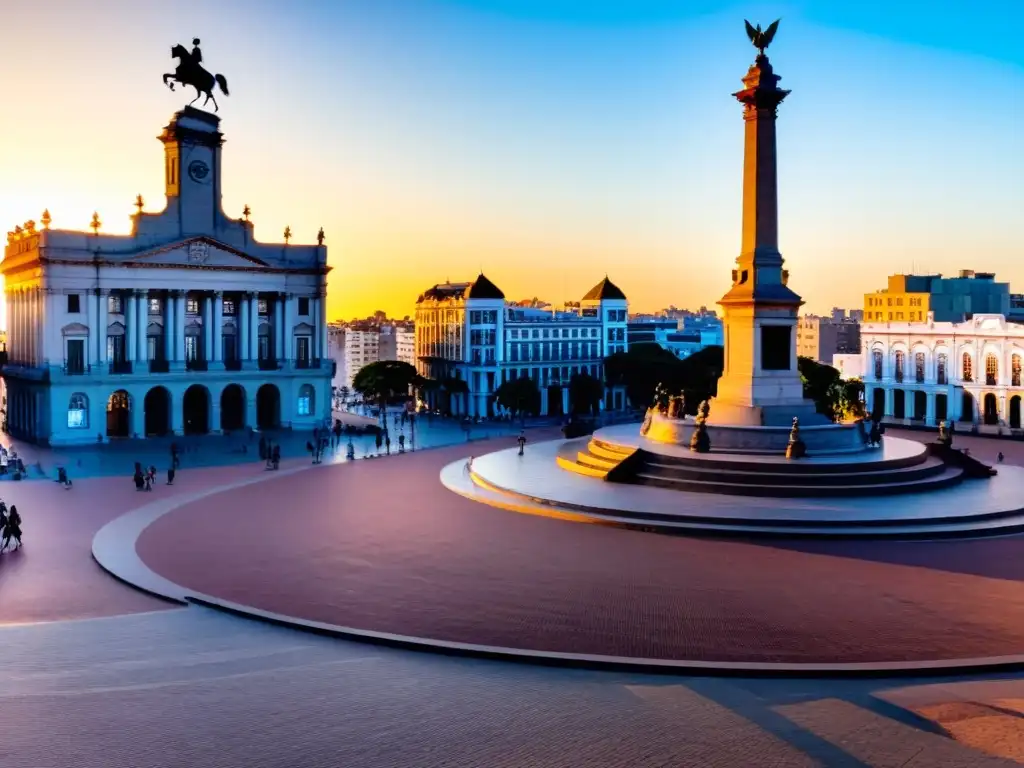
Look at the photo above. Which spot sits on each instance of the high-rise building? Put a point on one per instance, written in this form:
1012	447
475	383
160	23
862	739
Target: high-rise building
909	298
469	331
821	338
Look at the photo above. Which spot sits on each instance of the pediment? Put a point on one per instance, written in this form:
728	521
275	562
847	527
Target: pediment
115	329
75	329
303	328
198	252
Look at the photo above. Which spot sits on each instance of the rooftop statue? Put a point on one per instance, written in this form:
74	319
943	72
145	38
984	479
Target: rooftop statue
191	72
762	40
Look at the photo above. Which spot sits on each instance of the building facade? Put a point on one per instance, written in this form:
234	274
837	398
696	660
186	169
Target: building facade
822	338
468	331
186	325
927	372
910	298
362	347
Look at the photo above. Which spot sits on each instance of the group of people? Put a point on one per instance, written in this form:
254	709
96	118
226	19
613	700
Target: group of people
10	461
270	453
145	478
10	527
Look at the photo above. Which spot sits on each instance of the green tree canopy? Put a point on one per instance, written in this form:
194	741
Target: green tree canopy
585	394
520	396
385	379
643	366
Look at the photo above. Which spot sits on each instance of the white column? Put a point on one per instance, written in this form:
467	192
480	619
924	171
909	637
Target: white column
218	326
254	327
243	326
169	326
94	322
101	336
141	299
929	414
208	328
314	341
323	326
279	327
289	327
889	401
131	326
179	327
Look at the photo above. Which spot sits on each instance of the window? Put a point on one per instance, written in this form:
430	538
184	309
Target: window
75	362
115	349
991	369
919	367
302	349
303	305
1015	371
263	344
156	306
900	363
229	307
78	411
191	349
261	307
307	396
877	359
968	371
114	304
74	303
192	306
941	369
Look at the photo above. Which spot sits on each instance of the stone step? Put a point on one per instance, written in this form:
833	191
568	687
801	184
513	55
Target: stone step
948	477
780	474
810	466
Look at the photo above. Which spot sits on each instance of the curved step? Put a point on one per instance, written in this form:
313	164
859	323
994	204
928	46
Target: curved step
780	474
948	477
810	467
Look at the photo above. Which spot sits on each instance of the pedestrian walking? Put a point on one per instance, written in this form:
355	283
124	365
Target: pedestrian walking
175	461
1000	457
170	475
13	528
522	441
401	442
387	443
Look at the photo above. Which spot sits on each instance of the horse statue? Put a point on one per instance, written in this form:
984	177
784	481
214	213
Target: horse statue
190	72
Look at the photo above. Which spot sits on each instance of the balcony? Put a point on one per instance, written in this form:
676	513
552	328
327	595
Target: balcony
76	369
304	363
233	364
268	364
120	366
159	366
196	365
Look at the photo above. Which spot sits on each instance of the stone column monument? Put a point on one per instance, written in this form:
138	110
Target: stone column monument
760	385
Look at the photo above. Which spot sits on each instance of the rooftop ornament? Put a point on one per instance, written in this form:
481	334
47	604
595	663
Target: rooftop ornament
30	227
190	72
320	236
95	224
287	235
46	218
762	40
139	203
245	212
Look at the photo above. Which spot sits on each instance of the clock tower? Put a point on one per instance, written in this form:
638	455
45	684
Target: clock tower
192	145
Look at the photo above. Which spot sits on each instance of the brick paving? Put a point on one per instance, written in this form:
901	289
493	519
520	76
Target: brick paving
381	545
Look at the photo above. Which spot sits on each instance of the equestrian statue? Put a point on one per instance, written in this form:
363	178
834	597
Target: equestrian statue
191	72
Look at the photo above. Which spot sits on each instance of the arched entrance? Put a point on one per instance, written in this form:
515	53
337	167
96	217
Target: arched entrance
941	408
899	404
1015	412
991	408
268	407
195	407
555	400
877	403
157	408
920	405
967	407
232	408
119	414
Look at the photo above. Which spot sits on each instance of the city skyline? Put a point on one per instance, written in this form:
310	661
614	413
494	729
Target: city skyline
545	146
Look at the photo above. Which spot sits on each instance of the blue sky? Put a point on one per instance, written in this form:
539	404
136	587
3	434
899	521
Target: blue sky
546	142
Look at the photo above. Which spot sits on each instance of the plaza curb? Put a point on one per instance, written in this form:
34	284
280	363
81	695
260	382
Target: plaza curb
114	549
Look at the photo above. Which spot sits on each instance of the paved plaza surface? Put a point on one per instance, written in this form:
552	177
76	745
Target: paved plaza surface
346	546
151	684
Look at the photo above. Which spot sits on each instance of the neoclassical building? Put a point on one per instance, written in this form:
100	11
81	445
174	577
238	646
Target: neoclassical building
187	325
469	331
926	372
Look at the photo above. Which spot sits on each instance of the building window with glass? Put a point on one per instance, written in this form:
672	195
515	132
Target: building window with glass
900	360
307	397
155	306
191	306
968	368
75	362
114	304
1015	371
229	307
991	370
78	411
877	359
303	306
941	369
919	367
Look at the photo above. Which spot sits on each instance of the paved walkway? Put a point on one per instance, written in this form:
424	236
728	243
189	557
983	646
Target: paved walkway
346	546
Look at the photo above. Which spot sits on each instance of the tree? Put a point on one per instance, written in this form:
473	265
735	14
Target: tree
520	396
645	365
585	394
823	385
385	380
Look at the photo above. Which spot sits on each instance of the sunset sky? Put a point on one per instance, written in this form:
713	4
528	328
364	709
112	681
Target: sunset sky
546	142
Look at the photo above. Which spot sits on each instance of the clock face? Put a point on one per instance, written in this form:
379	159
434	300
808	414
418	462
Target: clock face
198	171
